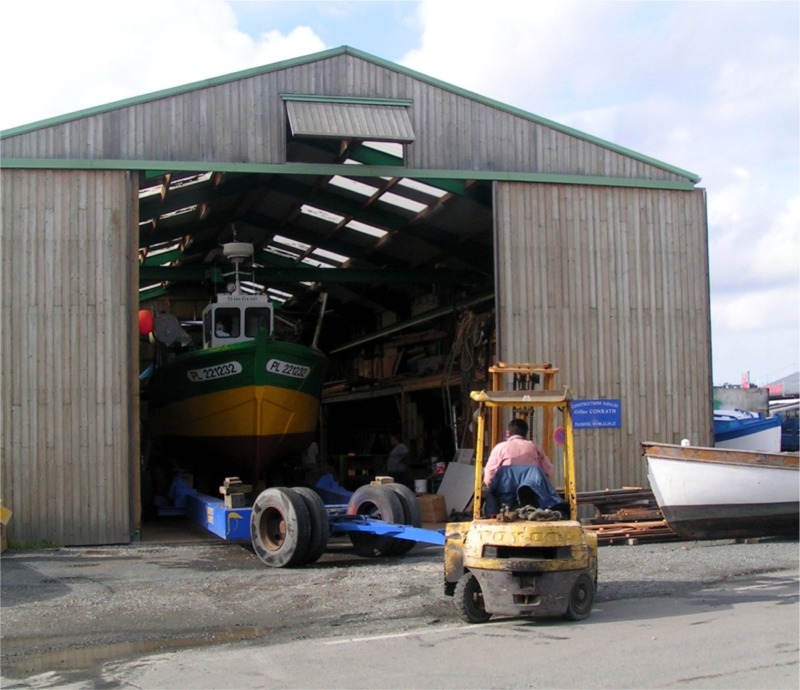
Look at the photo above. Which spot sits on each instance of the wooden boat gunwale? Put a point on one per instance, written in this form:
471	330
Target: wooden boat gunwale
723	456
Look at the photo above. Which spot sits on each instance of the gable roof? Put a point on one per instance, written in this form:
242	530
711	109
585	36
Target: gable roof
324	55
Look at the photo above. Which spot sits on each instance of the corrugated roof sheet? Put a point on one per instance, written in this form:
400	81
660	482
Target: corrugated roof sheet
367	122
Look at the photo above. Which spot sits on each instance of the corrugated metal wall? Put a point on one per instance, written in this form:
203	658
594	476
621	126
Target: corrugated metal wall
69	434
244	121
611	286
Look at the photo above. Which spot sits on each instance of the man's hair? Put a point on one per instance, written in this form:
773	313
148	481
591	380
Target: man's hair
518	427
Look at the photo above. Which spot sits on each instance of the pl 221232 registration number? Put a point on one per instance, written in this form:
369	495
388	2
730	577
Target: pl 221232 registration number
217	371
297	371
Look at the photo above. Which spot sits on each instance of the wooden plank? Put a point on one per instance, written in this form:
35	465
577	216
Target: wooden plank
65	431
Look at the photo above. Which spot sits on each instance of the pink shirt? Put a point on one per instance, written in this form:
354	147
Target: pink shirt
515	451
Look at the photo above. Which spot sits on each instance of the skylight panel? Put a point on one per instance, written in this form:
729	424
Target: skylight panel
316	263
278	295
281	252
322	215
390	147
151	191
402	202
333	256
302	246
179	212
422	187
371	230
352	185
157	249
188	181
252	286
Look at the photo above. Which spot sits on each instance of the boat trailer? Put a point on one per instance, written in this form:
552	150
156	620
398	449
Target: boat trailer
291	526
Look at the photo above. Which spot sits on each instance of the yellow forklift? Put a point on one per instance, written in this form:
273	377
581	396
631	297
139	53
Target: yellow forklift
525	561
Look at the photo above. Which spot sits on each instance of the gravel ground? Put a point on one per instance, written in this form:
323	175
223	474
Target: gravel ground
69	609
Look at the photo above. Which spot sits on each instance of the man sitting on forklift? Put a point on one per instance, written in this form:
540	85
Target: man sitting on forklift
517	474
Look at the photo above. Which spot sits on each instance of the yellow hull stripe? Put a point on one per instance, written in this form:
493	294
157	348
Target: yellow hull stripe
246	411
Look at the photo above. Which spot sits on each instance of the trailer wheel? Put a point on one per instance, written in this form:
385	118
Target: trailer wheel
320	529
376	502
280	528
468	599
581	598
412	515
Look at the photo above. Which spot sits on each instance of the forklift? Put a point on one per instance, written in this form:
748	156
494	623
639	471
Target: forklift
525	561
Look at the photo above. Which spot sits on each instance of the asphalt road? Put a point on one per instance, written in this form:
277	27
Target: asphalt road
210	615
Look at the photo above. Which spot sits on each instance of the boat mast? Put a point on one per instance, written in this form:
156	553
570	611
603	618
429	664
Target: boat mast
236	253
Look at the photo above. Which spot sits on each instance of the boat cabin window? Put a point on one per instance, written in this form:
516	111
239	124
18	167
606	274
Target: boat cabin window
226	323
256	319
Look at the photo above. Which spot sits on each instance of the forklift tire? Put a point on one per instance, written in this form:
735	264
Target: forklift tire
468	599
280	528
320	528
378	502
581	598
412	515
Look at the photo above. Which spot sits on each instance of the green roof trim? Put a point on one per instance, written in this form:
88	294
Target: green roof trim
334	52
344	170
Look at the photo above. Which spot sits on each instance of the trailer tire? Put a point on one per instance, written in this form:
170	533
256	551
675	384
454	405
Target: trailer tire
581	598
412	515
280	528
468	599
320	528
376	502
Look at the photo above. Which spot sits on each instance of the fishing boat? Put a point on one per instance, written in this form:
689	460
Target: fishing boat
245	401
715	493
745	430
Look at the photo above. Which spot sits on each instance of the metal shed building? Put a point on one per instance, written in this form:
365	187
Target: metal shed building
584	254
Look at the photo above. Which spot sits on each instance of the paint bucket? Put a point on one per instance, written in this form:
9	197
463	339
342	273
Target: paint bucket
420	486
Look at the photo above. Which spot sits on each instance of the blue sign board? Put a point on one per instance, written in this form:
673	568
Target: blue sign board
597	414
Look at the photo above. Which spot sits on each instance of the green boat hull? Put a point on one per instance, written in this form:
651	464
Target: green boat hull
237	410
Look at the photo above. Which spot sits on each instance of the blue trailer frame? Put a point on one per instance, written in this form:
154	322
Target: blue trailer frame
233	524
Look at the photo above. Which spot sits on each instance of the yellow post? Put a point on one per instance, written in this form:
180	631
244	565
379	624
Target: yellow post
570	487
476	502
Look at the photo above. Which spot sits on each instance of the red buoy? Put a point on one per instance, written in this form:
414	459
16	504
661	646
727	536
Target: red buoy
145	322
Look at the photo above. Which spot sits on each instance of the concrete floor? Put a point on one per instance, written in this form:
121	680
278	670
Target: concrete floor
175	530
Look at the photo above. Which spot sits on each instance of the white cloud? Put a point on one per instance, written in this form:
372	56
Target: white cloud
83	53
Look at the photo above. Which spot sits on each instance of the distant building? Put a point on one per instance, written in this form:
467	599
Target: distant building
786	387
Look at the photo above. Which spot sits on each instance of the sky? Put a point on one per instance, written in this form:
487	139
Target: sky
709	87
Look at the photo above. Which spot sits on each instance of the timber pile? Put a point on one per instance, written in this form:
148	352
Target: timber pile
632	532
628	515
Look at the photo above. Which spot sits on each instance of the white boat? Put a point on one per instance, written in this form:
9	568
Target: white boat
716	493
745	430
